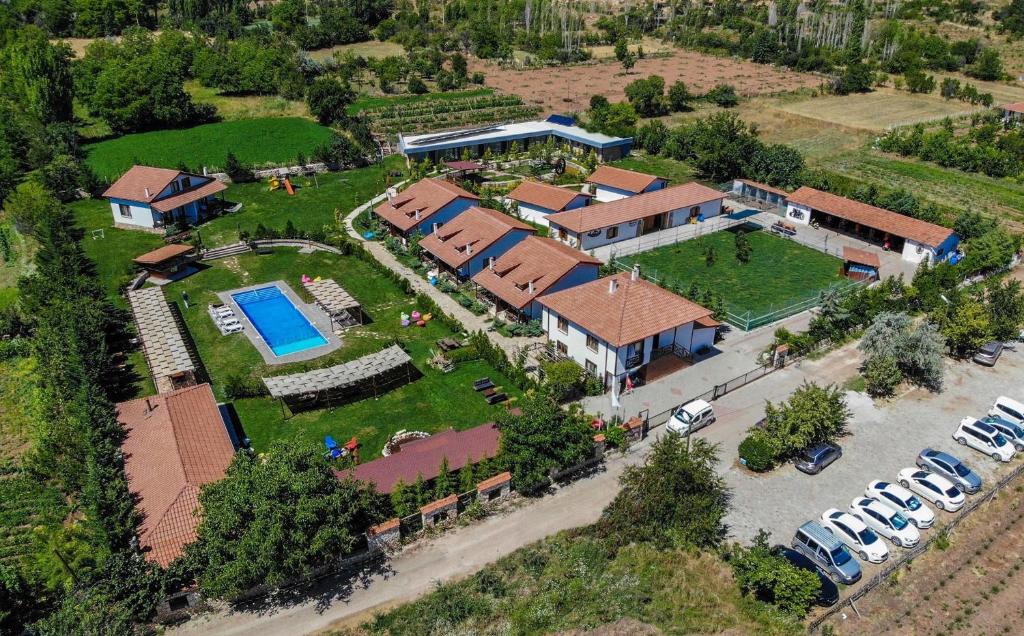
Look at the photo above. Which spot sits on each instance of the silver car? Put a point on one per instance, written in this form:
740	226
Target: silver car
951	468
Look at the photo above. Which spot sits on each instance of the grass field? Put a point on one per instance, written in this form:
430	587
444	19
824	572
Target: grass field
232	107
432	403
22	252
675	171
878	110
311	208
1001	198
779	273
371	49
254	141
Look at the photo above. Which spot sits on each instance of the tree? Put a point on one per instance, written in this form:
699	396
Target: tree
277	517
856	78
467	477
916	351
719	146
28	205
676	498
563	378
967	328
652	136
444	484
63	176
236	170
882	375
328	99
679	97
647	96
459	67
970	224
723	95
743	247
629	61
987	66
918	81
417	86
776	164
37	75
710	255
812	414
990	252
1005	303
1011	17
764	46
544	438
773	579
621	50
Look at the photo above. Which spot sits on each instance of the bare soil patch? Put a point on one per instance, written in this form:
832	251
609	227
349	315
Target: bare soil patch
569	88
880	109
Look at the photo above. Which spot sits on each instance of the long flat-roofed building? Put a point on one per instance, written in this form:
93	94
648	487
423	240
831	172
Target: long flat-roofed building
500	137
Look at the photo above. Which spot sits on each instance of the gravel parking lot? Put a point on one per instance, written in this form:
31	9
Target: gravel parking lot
884	438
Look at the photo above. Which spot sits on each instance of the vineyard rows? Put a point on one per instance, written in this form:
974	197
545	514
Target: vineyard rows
456	113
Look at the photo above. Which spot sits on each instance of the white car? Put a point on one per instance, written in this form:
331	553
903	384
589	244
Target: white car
985	438
861	539
691	417
903	501
933	487
885	521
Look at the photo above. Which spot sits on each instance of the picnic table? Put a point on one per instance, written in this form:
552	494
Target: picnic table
783	228
448	344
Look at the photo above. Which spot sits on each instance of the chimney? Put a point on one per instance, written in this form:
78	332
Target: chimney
529	287
416	214
635	274
149	407
146	190
392	192
490	263
612	285
469	249
435	227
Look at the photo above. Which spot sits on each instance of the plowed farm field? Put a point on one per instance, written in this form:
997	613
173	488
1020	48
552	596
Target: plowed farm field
569	88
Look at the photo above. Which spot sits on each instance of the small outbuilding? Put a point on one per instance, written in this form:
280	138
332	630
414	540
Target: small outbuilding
1013	113
860	264
760	192
168	263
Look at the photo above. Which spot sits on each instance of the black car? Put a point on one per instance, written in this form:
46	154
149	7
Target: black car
813	459
829	593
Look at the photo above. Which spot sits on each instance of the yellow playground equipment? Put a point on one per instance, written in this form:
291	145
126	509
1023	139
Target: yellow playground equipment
286	183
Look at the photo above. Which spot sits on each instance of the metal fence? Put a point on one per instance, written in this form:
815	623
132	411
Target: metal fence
912	554
670	236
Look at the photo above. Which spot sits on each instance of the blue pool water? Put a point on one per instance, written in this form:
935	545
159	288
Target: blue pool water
279	322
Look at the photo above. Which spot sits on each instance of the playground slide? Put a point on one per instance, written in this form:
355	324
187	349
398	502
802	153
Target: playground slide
288	185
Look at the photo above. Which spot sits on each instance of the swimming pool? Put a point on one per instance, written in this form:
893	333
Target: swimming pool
279	322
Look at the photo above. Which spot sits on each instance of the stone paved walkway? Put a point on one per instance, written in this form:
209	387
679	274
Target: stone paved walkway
449	305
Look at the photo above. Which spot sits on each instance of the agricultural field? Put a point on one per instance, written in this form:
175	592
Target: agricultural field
232	107
371	49
977	592
676	172
438	114
569	88
367	102
779	272
432	403
257	142
880	109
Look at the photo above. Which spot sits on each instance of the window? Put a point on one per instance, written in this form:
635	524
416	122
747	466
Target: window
591	367
175	186
186	183
562	348
563	324
612	232
591	342
125	210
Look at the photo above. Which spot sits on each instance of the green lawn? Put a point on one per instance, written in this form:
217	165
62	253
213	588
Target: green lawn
675	171
371	102
779	273
311	208
259	141
434	402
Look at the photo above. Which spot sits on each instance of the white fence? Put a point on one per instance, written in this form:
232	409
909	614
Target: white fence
670	236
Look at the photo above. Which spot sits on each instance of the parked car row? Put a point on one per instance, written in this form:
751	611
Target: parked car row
894	511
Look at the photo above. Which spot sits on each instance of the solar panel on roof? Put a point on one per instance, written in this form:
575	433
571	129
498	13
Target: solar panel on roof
458	134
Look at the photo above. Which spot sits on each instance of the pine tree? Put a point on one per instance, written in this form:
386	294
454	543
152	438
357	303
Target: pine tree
443	485
467	477
400	499
420	494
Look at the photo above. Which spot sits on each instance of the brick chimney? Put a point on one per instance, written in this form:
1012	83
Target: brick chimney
612	285
635	274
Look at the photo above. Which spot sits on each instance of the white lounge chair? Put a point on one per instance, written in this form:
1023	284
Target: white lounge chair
232	328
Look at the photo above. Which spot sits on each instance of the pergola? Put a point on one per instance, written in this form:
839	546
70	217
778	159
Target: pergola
370	375
167	354
337	303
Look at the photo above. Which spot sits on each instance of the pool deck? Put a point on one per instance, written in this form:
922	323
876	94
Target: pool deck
314	314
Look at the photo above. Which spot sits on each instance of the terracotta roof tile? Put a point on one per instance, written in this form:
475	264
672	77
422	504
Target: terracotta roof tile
478	228
492	482
188	196
861	257
538	260
544	195
136	180
440	504
634	310
423	457
765	187
175	443
1016	107
383	527
164	253
622	179
426	196
880	219
636	207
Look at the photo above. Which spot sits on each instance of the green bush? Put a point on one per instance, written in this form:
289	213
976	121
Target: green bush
465	354
757	453
615	437
240	385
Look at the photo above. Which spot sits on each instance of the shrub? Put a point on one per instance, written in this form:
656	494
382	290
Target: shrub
882	375
773	579
615	437
236	170
240	385
757	453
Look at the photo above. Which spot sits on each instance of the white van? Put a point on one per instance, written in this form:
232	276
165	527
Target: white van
1009	409
690	417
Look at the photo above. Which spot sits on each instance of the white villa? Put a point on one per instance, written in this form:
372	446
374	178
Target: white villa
622	324
612	183
153	198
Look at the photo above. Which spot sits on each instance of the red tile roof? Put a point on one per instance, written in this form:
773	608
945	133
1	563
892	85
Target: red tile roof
175	443
440	504
544	195
423	457
478	228
621	179
538	260
497	480
386	526
861	257
464	165
426	196
765	187
188	196
165	253
1016	107
880	219
633	208
138	180
628	312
